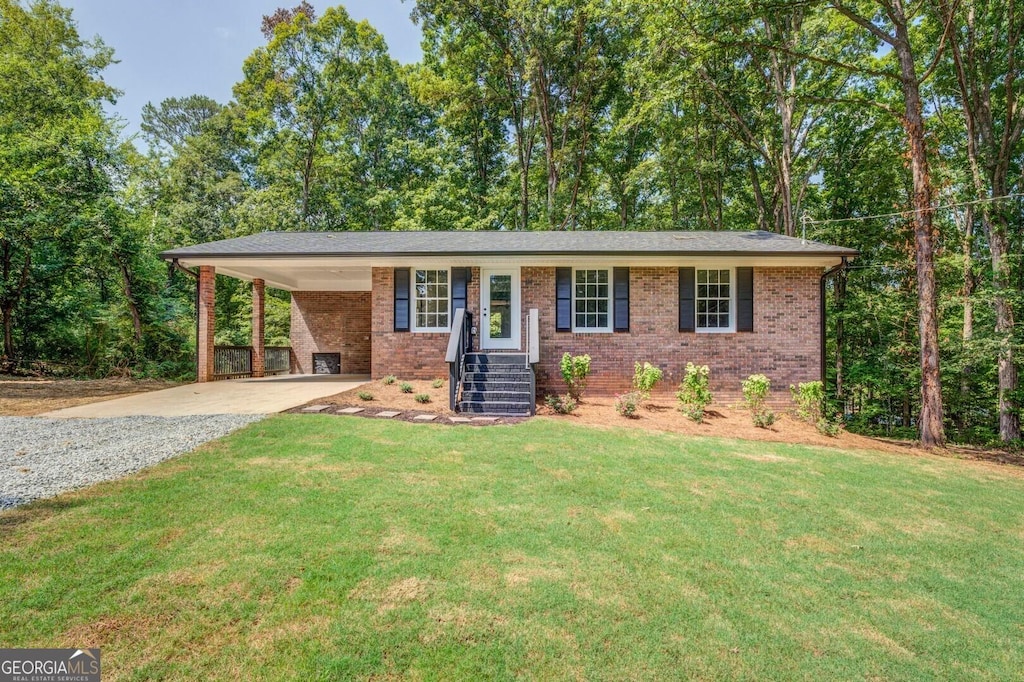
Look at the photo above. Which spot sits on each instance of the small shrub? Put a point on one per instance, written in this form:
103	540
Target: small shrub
829	427
628	403
405	387
694	392
422	398
562	404
810	401
437	383
390	379
756	388
645	378
365	395
575	369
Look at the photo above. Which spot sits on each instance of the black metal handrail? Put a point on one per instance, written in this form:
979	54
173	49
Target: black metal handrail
459	343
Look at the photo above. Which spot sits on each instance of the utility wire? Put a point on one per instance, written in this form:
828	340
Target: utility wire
829	221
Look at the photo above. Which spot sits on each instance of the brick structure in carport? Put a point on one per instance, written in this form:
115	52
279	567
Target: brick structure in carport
331	322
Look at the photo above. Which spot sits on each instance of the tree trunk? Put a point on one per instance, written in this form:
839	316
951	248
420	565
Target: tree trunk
8	315
129	295
931	421
976	103
1009	420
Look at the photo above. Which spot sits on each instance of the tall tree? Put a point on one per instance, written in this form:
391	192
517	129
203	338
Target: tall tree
52	133
985	43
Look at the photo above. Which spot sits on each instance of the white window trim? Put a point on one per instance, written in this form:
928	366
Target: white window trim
731	329
610	329
415	300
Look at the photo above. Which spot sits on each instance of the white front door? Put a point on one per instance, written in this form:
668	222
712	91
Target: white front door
499	309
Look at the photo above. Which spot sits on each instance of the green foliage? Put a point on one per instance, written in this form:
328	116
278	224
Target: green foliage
645	377
437	383
810	400
627	404
405	387
365	395
389	379
562	404
694	394
756	389
829	427
575	370
422	398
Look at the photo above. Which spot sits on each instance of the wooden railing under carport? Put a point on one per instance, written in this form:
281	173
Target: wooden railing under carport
235	362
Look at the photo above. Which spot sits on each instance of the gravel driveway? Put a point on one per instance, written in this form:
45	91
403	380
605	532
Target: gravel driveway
42	457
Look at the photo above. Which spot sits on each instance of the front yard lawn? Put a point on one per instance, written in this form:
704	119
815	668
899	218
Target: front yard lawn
309	547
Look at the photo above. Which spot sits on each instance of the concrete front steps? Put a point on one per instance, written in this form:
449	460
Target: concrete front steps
497	384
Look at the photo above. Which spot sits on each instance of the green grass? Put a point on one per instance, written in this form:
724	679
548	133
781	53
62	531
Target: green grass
309	547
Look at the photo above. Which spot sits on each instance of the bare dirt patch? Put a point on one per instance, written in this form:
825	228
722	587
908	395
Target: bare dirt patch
27	397
391	397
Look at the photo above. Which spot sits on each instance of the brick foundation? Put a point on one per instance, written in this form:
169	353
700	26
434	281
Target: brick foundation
784	344
331	322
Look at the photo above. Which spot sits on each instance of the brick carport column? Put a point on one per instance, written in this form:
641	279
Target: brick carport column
258	324
205	313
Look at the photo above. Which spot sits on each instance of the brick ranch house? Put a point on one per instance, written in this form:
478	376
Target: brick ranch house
413	304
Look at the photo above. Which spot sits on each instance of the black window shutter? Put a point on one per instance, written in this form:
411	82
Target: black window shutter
687	314
402	312
460	278
563	299
620	279
744	299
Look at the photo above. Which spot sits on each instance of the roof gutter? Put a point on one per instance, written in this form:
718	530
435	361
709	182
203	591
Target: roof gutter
824	278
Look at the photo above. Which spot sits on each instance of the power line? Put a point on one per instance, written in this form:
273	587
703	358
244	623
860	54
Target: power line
829	221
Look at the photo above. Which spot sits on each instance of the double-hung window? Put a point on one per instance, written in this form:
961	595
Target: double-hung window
431	294
591	301
715	295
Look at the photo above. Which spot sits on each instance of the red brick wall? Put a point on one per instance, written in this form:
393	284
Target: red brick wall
784	344
206	314
258	323
331	322
410	355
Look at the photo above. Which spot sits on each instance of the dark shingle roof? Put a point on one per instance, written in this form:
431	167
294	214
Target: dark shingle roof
320	244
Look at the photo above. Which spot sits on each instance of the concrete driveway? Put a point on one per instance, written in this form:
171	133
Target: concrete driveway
234	396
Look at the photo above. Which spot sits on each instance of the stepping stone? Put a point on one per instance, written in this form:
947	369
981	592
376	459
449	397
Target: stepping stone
351	410
485	419
387	414
424	418
316	408
459	420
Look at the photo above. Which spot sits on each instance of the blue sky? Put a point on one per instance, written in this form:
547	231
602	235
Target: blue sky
175	48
